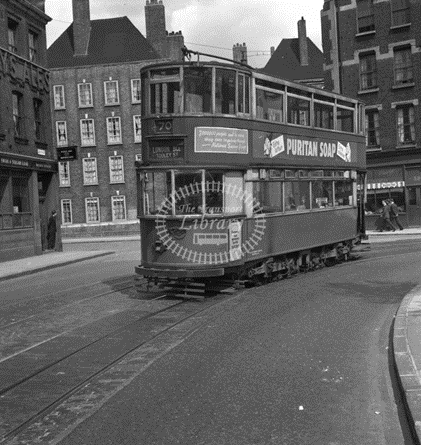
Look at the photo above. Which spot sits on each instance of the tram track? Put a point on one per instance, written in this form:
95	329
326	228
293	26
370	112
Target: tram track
52	371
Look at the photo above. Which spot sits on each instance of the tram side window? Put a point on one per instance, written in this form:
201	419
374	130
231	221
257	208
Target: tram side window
198	90
157	188
269	105
298	111
345	120
343	193
225	92
165	98
188	193
268	195
297	195
322	194
323	115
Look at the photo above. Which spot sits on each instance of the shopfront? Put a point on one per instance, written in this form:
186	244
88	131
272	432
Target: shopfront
403	185
28	191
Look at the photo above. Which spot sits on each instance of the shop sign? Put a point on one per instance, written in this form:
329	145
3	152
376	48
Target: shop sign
23	71
166	150
44	166
67	153
13	162
220	140
385	185
9	161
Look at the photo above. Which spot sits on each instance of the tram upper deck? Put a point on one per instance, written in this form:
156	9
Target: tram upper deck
212	113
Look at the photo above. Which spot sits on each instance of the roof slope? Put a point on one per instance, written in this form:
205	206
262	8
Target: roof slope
114	40
285	61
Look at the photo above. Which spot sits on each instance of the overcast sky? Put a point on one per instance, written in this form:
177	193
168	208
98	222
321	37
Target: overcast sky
209	26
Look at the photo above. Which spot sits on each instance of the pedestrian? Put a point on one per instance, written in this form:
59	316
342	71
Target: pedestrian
394	213
51	231
386	224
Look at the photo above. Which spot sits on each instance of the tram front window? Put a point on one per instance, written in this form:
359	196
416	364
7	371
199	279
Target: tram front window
165	98
214	192
198	90
188	193
225	91
157	187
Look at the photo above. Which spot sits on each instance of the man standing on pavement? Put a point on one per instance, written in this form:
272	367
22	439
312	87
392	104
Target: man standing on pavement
394	213
51	231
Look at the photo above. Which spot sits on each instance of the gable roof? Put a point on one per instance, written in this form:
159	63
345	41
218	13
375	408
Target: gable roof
114	40
285	61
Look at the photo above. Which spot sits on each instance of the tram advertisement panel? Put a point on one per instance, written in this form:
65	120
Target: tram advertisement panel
294	149
221	140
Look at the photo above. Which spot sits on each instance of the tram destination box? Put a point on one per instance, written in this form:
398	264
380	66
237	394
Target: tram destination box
165	150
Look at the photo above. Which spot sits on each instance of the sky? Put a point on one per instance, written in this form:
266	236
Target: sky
209	26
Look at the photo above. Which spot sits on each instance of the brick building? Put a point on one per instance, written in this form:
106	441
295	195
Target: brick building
28	166
95	97
297	59
372	51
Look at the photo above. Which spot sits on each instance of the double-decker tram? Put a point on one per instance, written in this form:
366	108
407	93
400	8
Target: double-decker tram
245	175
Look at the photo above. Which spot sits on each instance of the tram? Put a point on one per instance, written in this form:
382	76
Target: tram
245	175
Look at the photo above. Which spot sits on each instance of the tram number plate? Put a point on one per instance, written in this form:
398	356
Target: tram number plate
163	126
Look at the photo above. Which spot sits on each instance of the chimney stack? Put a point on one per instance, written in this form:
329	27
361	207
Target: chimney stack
302	41
240	53
272	50
81	27
155	26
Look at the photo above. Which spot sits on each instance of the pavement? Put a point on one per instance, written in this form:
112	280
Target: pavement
406	327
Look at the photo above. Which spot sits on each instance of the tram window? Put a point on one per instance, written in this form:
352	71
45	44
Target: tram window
198	90
269	105
291	173
157	186
225	92
345	120
322	194
233	191
188	193
316	173
214	192
243	94
268	195
297	195
165	98
298	111
343	193
323	115
165	73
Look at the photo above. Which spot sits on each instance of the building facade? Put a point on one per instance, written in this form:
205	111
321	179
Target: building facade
28	165
372	51
96	102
